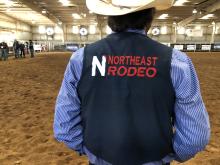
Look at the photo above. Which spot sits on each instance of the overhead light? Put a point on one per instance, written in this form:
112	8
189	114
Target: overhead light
75	30
181	30
174	23
84	15
163	30
7	2
65	2
92	29
76	16
42	29
44	11
213	23
33	21
90	12
163	16
108	30
60	23
208	16
180	2
194	11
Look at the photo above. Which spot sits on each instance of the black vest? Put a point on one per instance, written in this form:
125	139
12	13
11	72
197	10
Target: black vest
127	108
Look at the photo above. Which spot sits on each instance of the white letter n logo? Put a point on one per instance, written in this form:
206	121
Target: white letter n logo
101	67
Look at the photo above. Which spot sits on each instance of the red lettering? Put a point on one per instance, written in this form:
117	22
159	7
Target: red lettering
116	60
127	59
154	60
149	63
139	66
132	60
132	71
143	61
138	60
141	71
110	60
122	71
151	72
112	70
122	60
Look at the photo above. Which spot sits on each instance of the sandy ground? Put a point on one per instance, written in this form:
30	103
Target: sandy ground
28	90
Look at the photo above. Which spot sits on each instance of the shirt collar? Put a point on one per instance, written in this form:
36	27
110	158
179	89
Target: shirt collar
142	31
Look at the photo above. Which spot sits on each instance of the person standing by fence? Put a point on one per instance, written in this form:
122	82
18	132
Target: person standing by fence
1	50
31	48
16	48
22	48
4	51
27	47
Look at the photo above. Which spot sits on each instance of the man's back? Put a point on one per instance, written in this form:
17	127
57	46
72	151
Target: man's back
132	99
118	95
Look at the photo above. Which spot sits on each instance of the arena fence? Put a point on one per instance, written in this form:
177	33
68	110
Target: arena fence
204	47
197	47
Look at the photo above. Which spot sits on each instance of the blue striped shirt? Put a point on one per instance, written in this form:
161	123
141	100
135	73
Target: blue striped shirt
192	128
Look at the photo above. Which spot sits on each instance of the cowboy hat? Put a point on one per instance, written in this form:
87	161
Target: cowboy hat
122	7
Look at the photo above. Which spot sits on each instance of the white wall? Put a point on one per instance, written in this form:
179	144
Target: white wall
22	31
69	37
206	38
14	28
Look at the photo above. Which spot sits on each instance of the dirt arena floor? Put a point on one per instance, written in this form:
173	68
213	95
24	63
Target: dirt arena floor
28	90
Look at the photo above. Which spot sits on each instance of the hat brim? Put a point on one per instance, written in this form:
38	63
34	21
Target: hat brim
102	8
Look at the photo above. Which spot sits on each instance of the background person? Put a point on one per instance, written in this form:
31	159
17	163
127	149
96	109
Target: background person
16	48
22	49
1	50
27	47
4	51
121	120
31	48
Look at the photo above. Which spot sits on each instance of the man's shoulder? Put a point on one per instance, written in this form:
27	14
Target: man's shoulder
180	56
96	47
96	44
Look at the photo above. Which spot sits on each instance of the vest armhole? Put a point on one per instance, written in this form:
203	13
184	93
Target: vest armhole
170	68
171	82
83	68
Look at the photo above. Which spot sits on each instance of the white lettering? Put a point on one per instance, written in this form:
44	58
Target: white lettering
101	67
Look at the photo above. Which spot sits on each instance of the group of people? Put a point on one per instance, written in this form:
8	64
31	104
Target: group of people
21	49
4	51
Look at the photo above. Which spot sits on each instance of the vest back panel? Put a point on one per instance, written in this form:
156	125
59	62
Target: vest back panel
127	99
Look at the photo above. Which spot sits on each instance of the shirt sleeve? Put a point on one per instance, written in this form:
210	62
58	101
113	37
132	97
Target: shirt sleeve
192	127
67	120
